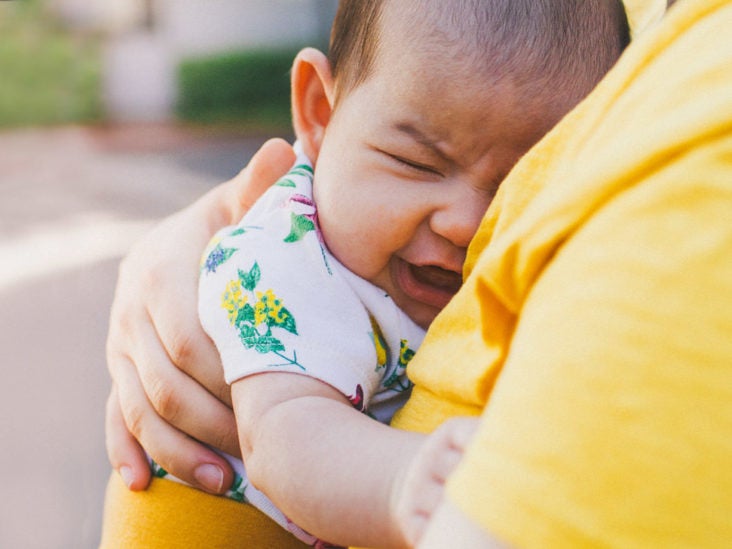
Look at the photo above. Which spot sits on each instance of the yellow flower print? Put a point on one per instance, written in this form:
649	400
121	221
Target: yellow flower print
254	323
233	299
379	344
397	380
268	309
405	353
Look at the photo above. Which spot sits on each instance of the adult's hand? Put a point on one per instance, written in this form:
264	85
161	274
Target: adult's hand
168	391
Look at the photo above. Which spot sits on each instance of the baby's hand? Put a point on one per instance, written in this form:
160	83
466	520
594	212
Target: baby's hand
422	487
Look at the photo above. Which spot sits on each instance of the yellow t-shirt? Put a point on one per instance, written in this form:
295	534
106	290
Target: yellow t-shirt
595	326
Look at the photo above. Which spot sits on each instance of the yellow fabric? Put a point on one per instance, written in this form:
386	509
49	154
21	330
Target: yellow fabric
597	315
643	14
520	501
169	515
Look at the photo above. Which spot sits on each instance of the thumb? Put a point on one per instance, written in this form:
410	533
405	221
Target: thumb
269	163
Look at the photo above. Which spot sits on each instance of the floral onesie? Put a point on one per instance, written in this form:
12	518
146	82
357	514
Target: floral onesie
274	299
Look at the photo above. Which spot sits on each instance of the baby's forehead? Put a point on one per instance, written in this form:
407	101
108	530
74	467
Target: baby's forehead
440	46
422	25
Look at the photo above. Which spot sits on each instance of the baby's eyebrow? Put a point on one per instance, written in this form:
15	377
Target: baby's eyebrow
420	137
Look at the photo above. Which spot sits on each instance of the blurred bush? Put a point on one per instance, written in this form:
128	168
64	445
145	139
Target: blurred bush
47	74
250	87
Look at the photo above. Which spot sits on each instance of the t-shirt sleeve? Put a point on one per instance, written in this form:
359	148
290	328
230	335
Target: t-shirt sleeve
610	422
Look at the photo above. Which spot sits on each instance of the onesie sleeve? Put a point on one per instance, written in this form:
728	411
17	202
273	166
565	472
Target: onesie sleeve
273	299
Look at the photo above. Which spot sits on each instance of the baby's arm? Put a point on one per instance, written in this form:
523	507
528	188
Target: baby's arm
331	469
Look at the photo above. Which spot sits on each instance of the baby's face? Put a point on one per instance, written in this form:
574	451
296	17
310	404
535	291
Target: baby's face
409	163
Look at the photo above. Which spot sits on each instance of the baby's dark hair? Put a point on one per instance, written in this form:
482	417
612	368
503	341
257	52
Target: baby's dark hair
561	47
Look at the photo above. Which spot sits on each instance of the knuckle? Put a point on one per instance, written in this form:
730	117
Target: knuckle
151	278
181	348
134	417
165	400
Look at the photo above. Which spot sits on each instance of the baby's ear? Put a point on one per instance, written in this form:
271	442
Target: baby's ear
312	99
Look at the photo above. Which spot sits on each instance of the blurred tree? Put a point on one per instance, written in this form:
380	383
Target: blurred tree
49	74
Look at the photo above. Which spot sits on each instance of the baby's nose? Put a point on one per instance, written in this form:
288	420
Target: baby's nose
458	220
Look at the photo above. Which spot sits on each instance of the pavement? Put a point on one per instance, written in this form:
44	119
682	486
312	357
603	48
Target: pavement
72	201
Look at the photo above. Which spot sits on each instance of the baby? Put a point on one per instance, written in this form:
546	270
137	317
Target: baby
405	132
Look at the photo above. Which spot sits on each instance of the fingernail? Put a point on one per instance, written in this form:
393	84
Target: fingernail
126	473
210	477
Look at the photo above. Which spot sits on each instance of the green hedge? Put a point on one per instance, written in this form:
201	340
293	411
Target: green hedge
243	87
48	75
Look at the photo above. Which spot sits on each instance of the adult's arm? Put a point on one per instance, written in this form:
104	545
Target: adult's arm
168	391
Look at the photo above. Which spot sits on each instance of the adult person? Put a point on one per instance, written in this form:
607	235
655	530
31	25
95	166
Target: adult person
319	296
594	322
609	422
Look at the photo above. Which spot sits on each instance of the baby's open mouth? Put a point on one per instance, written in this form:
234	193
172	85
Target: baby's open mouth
428	284
438	277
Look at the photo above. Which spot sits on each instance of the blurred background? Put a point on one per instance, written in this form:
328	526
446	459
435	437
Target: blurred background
112	115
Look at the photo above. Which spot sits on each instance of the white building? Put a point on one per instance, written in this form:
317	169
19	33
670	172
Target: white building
147	39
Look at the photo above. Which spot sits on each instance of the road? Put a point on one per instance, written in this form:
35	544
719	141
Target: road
72	200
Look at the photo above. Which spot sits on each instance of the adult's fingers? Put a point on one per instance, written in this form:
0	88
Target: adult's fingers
181	400
125	453
186	344
268	164
167	300
176	452
158	352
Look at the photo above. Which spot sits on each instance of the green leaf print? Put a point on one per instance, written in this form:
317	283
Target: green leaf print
250	280
405	353
268	344
245	314
251	319
396	383
302	169
300	224
285	182
248	335
238	489
158	471
289	322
